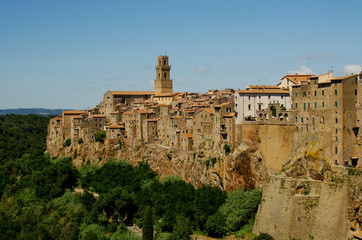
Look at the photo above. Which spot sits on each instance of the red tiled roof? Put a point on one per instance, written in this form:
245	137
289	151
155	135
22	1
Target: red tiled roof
171	94
74	112
135	93
275	91
189	135
116	126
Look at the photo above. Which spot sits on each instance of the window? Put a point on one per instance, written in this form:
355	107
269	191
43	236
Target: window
322	120
296	94
301	119
315	105
249	97
308	105
315	81
249	107
282	97
335	92
315	93
335	104
336	120
308	93
322	104
336	150
296	120
313	120
296	105
304	106
322	92
355	92
269	97
165	75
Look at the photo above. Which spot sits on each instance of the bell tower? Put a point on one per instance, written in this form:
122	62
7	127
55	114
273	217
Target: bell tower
163	83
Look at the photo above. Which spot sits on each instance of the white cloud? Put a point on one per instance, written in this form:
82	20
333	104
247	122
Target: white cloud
350	68
301	70
201	69
151	82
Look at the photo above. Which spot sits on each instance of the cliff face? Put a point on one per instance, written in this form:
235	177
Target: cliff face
243	168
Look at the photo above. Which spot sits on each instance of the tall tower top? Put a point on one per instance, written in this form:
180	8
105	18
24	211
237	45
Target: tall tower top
163	83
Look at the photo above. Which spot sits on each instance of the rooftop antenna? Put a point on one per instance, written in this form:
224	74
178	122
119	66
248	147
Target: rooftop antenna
332	67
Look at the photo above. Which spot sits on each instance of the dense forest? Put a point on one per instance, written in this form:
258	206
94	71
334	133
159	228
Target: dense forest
48	198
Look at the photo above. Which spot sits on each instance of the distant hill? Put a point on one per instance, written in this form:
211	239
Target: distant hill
38	111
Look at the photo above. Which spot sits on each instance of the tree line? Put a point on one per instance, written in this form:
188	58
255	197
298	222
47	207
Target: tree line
38	200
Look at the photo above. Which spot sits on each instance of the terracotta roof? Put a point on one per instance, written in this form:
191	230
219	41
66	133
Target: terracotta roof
189	135
98	116
152	120
262	87
115	126
74	112
166	94
297	77
127	113
77	117
343	77
209	110
176	117
114	112
358	234
134	93
276	91
229	115
58	118
223	104
144	111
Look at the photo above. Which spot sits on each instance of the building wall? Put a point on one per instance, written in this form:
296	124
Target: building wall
328	110
247	104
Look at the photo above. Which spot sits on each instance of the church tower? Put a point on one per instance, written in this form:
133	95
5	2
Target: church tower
163	83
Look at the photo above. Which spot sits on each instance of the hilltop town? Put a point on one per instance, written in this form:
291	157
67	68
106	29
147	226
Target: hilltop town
322	108
301	135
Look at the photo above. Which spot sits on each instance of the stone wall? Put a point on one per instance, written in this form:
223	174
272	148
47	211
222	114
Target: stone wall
304	209
276	144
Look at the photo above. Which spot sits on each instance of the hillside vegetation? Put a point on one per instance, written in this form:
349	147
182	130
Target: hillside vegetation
48	198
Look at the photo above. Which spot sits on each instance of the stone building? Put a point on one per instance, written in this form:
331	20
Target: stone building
163	82
326	112
67	118
290	80
121	98
256	98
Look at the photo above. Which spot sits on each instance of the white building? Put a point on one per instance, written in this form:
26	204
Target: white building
256	98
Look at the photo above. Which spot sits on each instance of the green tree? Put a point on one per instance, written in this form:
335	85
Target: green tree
182	229
147	230
215	225
208	199
68	142
240	206
264	236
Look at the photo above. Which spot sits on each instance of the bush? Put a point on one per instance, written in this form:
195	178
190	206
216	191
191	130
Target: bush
80	140
100	136
68	142
227	148
264	236
182	229
239	207
215	225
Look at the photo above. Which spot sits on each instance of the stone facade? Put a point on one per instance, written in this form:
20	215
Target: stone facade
257	98
328	110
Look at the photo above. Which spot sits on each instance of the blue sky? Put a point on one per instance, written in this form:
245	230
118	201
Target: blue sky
67	54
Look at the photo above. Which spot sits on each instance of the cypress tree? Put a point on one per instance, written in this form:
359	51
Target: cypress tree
147	231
